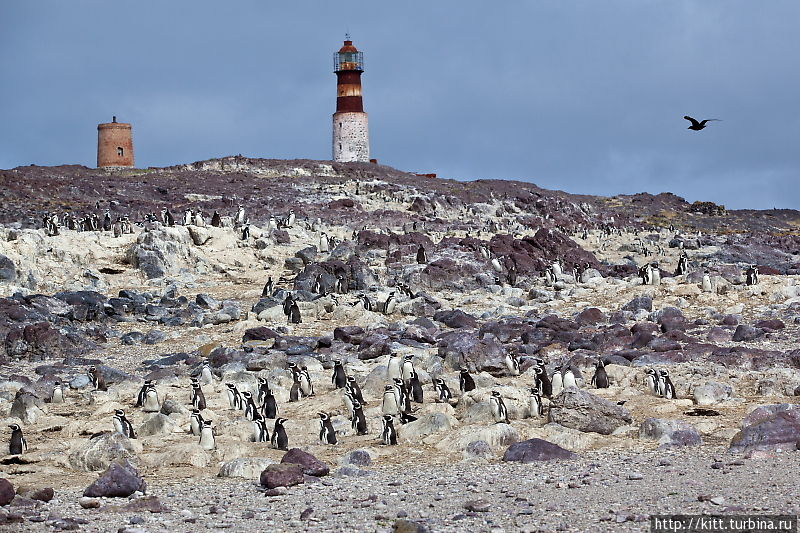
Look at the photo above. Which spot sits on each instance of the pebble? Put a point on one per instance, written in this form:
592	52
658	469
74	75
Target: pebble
635	476
89	503
477	506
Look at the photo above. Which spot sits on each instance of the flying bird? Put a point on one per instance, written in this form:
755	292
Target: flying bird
697	126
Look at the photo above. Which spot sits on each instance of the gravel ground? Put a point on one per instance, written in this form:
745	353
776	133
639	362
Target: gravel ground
600	491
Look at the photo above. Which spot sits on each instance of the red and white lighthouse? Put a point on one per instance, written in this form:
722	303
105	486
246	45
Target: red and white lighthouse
350	122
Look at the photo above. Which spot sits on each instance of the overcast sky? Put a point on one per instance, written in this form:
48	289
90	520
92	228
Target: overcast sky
583	96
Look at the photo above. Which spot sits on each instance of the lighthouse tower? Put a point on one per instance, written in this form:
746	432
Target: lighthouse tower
350	123
114	144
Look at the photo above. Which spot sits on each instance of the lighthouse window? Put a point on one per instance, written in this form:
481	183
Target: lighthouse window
120	151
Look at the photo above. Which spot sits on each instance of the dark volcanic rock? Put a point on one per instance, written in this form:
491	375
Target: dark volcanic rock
532	450
463	348
373	346
769	427
349	334
8	271
6	491
590	316
120	480
456	319
281	475
311	465
745	332
640	302
261	333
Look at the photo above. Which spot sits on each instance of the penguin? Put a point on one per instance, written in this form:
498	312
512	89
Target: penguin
279	439
668	389
198	219
187	217
390	304
216	220
442	391
327	435
143	393
512	363
294	392
269	287
287	304
196	422
499	411
151	403
394	370
317	286
751	275
416	388
359	421
207	441
655	274
323	243
391	405
556	269
496	265
600	378
294	314
706	283
291	218
234	398
683	265
263	389
246	232
262	433
366	303
107	221
306	387
543	381
250	410
408	369
206	377
557	382
401	394
465	381
169	220
240	218
269	407
511	276
652	380
349	401
97	379
535	403
355	390
422	257
341	284
17	444
122	424
57	394
339	377
388	435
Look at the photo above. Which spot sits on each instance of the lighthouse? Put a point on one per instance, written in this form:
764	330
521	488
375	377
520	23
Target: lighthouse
114	144
350	122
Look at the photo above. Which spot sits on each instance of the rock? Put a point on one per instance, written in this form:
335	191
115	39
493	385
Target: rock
281	475
8	272
311	465
479	448
98	453
246	467
156	424
373	346
670	433
6	491
590	316
639	303
170	406
159	251
712	393
261	333
120	480
349	334
43	495
745	332
456	319
207	302
581	410
27	407
426	424
199	235
478	506
773	324
154	336
532	450
463	348
769	427
89	503
359	458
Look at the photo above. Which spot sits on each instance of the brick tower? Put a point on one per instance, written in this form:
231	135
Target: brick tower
350	123
114	144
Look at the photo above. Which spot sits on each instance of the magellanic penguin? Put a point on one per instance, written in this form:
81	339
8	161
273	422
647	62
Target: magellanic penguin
388	435
600	378
359	421
535	403
422	257
294	314
401	393
499	411
57	395
465	381
196	422
391	405
512	363
353	388
394	370
327	435
234	398
287	305
652	379
97	379
268	289
198	398
151	403
143	393
269	407
262	433
206	377
667	388
306	387
557	382
207	441
122	424
17	444
263	389
543	381
349	400
390	304
443	393
751	275
279	439
250	409
408	369
339	377
416	388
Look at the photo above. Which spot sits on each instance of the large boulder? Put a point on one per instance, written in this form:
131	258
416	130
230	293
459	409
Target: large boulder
8	272
712	393
769	427
581	410
98	453
311	465
533	450
245	467
456	319
159	250
27	407
463	348
670	433
6	492
120	480
281	475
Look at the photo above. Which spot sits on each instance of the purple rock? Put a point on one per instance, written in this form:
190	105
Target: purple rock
769	427
282	475
6	491
532	450
121	479
310	464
